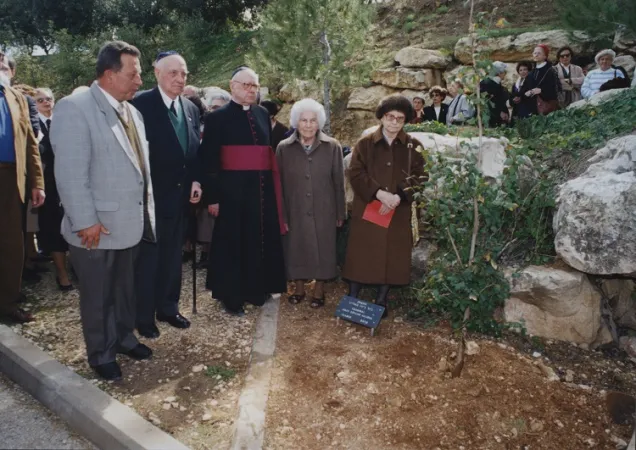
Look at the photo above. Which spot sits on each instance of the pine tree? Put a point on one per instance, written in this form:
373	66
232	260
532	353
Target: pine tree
599	16
321	40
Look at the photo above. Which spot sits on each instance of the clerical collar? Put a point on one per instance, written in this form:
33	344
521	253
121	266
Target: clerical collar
243	107
541	65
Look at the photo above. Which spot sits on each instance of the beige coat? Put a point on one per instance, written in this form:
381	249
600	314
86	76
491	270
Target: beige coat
313	201
377	255
570	92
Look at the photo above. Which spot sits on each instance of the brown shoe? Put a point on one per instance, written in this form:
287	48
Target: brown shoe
20	316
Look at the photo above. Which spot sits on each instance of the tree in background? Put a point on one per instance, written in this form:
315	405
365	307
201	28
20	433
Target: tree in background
599	16
321	40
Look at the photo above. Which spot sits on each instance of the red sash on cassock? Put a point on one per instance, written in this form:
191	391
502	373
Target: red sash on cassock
255	157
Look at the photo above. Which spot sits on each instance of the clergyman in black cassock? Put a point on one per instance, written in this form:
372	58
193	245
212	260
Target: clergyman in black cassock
242	186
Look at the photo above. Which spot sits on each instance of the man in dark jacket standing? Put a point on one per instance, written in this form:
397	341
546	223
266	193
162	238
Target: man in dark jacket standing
172	127
497	95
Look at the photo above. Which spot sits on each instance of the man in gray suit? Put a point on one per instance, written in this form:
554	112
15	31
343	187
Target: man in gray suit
103	178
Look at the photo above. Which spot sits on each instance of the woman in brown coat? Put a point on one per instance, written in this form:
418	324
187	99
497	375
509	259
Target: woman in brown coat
312	178
384	165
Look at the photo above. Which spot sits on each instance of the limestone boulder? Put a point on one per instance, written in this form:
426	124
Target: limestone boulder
493	150
595	221
519	48
284	113
625	43
555	304
369	97
406	78
622	300
467	73
597	99
422	58
348	125
299	89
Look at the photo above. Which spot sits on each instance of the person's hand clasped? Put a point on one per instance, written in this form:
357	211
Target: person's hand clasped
90	236
214	209
389	201
195	192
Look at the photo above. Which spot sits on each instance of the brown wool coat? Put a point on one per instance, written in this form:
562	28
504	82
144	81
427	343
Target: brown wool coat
27	151
313	201
377	255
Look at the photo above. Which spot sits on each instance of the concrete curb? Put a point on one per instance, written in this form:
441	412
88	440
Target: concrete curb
250	425
89	411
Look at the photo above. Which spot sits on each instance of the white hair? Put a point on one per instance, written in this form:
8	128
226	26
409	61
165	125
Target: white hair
45	91
606	52
497	68
305	105
80	89
215	93
248	70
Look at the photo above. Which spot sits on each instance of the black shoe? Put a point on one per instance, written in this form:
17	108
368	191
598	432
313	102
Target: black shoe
109	371
149	331
187	256
139	352
239	312
19	316
64	287
177	321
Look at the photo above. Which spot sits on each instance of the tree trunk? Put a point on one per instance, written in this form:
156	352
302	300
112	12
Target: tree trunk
326	95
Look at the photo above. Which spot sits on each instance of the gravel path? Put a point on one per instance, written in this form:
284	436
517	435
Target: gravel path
26	424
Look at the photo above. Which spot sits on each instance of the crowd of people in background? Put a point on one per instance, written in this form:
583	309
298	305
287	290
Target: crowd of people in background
128	182
540	88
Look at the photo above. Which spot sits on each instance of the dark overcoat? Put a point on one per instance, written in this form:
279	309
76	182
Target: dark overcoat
377	255
314	200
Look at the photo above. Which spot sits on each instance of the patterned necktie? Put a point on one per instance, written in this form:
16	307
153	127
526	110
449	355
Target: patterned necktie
122	113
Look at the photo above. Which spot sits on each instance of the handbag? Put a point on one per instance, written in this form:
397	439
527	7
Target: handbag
545	107
415	226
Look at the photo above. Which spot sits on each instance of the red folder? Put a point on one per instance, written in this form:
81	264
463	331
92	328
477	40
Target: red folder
372	214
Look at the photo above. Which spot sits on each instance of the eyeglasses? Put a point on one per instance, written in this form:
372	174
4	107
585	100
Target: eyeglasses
44	99
249	86
396	119
564	55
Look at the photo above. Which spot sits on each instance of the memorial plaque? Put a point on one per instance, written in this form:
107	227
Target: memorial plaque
360	312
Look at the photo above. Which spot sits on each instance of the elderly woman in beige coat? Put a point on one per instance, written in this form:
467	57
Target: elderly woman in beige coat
312	178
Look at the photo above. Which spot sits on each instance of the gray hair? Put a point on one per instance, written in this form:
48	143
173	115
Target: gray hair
45	91
606	52
215	93
248	70
307	105
497	68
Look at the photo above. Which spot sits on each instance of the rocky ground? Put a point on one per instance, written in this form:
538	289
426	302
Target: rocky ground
189	388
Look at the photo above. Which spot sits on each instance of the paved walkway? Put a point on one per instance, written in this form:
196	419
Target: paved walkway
26	424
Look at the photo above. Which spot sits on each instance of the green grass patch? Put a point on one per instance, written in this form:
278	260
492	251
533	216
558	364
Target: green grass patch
220	373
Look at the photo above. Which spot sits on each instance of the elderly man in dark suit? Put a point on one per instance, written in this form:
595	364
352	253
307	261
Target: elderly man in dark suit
19	158
172	127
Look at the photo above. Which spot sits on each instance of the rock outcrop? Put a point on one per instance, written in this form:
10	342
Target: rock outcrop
368	98
422	58
468	72
595	222
519	48
555	304
406	78
299	89
597	99
620	294
625	43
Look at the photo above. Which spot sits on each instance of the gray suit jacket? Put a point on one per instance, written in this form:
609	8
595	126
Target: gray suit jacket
96	171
